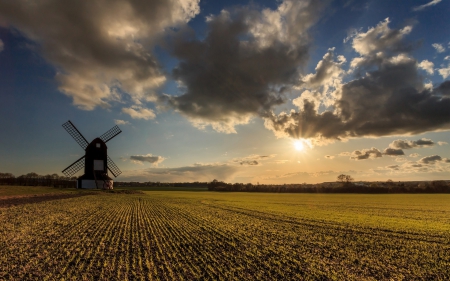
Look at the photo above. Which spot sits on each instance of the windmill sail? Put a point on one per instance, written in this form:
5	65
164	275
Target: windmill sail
112	167
76	135
74	167
114	131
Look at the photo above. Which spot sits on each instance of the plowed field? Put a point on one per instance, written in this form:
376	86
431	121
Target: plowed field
227	236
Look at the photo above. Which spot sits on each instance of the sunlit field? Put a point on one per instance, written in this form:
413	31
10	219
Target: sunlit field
185	235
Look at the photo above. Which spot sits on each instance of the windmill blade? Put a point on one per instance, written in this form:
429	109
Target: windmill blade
114	131
112	167
74	167
76	135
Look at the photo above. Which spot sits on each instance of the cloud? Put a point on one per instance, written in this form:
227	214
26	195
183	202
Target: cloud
139	159
137	112
346	153
400	159
243	66
427	66
121	122
430	159
444	72
414	155
393	152
421	7
405	144
101	50
366	154
252	160
439	48
196	172
2	45
329	157
386	96
393	167
442	142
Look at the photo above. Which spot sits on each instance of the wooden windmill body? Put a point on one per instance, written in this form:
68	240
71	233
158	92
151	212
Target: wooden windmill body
95	162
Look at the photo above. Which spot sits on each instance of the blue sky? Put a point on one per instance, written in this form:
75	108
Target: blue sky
229	90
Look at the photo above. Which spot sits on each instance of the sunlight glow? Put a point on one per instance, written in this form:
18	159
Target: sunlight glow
298	144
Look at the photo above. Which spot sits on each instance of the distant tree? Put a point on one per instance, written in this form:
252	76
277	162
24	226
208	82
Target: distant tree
6	175
345	178
31	175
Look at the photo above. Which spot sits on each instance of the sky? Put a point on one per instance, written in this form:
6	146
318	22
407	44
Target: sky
267	92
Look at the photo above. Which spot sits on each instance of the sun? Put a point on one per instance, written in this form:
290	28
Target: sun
298	144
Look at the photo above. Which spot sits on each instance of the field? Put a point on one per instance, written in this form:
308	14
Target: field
183	235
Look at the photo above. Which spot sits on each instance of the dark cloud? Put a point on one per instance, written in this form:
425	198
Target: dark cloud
244	64
100	48
366	154
249	163
393	167
155	160
405	144
196	172
393	152
252	160
386	97
430	159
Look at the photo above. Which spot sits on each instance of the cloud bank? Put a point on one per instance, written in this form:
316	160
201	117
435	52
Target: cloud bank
244	65
196	172
386	97
101	49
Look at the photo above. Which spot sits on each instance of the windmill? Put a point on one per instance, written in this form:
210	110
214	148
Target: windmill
96	161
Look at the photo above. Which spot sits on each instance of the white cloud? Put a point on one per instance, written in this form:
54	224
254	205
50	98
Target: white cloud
427	66
137	112
378	38
444	72
442	142
421	7
414	155
439	48
121	122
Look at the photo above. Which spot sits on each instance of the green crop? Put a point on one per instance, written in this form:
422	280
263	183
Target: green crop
227	236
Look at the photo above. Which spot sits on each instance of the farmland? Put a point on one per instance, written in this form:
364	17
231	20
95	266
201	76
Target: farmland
182	235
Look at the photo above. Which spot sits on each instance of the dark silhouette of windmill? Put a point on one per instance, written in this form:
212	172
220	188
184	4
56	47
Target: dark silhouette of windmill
96	161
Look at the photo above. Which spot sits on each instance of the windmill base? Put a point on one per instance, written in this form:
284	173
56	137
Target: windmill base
93	184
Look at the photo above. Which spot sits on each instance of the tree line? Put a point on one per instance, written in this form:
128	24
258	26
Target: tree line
34	179
344	186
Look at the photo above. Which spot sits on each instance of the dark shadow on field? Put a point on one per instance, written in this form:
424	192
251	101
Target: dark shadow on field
10	201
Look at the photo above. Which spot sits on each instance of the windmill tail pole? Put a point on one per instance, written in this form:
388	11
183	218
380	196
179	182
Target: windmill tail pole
95	178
